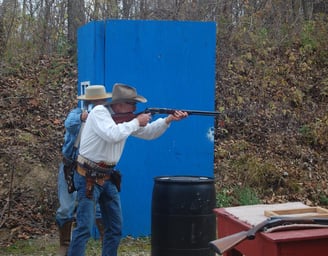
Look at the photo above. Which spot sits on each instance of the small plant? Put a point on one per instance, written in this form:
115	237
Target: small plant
308	39
223	199
247	196
323	200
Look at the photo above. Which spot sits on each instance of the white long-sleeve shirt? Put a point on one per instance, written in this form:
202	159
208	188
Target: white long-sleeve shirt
103	140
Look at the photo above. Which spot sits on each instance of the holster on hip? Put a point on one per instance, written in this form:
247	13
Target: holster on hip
116	179
69	166
90	183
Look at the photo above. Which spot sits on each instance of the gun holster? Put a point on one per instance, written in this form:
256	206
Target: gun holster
69	166
116	179
91	178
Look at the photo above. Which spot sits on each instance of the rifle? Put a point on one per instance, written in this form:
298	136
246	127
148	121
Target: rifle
224	244
126	117
154	111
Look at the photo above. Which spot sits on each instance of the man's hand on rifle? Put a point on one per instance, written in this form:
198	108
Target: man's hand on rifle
176	116
144	119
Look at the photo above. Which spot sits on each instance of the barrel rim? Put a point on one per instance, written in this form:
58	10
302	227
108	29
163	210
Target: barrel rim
183	179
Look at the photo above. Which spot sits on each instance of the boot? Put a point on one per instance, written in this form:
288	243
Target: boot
101	228
64	238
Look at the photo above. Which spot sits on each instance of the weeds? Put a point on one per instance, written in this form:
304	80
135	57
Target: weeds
247	196
237	196
223	199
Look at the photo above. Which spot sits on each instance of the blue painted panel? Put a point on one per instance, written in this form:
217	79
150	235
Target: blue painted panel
172	64
91	51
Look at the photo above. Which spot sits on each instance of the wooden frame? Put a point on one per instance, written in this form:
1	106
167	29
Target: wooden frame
307	211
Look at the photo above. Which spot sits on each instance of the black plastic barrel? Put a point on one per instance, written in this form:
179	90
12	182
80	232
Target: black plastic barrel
182	218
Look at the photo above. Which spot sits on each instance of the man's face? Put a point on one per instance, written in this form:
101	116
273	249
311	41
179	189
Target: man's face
124	107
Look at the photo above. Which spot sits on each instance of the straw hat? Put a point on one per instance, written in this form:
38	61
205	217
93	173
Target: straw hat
95	92
126	93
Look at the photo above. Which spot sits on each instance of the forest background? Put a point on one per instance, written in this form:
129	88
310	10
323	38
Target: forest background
271	87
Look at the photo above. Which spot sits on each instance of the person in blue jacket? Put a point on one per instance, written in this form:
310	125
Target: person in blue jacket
65	214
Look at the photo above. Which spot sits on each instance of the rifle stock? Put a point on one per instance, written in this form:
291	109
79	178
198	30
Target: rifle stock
224	244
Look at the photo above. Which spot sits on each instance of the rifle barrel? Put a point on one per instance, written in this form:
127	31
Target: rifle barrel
201	113
190	112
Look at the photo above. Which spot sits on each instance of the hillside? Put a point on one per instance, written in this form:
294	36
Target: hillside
35	100
272	136
276	124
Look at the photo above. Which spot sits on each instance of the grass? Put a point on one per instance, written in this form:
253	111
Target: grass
47	246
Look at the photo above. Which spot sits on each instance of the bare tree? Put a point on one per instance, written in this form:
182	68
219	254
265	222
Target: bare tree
37	27
2	35
320	6
8	13
127	8
75	18
45	25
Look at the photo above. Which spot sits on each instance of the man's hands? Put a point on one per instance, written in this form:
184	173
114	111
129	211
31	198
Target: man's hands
146	117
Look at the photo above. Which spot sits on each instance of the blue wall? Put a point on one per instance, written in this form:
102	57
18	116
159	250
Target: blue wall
91	49
172	64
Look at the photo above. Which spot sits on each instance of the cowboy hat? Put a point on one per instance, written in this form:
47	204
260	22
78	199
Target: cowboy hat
95	92
125	93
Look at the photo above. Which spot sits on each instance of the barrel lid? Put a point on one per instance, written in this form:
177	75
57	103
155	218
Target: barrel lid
182	179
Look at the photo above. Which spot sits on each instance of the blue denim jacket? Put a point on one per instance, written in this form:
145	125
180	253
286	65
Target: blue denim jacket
72	126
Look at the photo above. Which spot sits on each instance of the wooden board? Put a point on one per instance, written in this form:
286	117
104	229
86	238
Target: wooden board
306	211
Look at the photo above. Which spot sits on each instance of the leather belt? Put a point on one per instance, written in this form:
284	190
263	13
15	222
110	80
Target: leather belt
99	177
103	167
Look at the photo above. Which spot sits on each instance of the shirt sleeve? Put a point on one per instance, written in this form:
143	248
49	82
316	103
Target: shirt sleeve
107	129
152	130
72	126
73	121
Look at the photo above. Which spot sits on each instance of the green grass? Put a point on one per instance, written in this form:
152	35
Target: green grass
46	246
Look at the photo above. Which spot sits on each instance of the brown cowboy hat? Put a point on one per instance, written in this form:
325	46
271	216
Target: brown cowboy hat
126	93
95	92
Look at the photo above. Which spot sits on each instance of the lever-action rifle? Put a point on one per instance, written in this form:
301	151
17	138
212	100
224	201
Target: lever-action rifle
224	244
171	111
126	117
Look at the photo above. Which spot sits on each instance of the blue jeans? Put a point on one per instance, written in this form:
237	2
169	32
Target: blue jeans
67	201
110	205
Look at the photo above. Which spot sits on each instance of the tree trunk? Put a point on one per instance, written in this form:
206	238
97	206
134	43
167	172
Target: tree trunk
320	7
75	19
2	35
